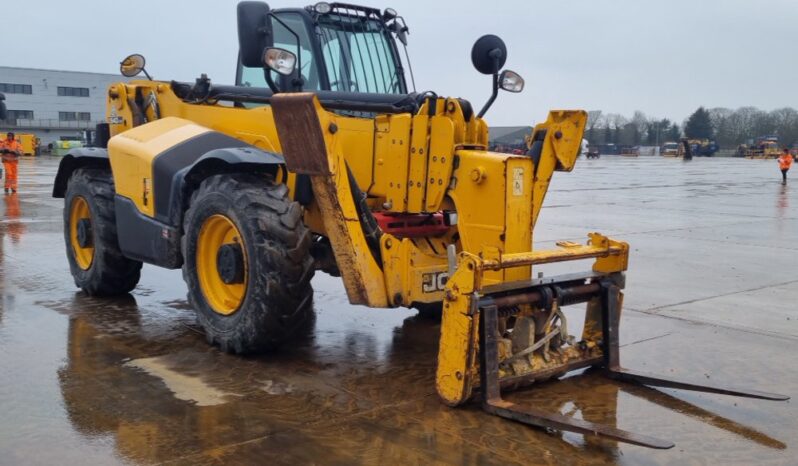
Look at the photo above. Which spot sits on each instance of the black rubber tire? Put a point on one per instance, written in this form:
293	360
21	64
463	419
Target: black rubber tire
110	273
278	302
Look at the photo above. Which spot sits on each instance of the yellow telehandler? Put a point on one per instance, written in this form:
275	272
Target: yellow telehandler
322	158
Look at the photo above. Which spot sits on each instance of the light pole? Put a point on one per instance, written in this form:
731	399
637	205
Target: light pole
659	125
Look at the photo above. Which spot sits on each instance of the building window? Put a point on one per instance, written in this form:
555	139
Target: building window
16	88
74	116
19	115
73	91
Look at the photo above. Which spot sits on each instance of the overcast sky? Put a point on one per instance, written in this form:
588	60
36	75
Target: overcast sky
665	58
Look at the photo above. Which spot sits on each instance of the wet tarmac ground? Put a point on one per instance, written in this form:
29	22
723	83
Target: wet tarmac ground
711	296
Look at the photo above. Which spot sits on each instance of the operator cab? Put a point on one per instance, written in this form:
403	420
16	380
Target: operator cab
346	54
337	47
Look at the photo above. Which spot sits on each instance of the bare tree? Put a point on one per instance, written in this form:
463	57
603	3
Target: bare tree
730	127
786	122
639	126
615	124
594	119
719	119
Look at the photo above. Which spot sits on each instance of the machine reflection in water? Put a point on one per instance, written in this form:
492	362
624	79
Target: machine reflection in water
360	400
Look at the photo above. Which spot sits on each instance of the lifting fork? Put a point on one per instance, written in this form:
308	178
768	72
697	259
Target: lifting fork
493	403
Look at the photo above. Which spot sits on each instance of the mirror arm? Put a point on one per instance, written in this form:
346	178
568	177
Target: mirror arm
297	83
267	74
493	96
496	55
269	31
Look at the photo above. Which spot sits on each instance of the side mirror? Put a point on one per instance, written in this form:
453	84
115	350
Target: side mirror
280	60
132	65
489	54
511	81
3	112
254	32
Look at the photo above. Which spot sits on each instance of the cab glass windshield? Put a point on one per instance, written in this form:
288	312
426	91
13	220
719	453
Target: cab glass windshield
359	56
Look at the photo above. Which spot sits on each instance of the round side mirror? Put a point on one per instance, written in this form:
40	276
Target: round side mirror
489	54
132	65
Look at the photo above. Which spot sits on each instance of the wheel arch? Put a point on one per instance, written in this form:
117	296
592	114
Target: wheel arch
156	240
90	157
247	159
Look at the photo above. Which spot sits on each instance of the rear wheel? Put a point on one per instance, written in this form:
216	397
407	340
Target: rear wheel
247	263
97	265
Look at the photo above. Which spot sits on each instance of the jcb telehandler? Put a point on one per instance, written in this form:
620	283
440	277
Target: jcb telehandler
322	158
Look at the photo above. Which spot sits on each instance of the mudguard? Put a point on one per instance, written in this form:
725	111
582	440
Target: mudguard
78	158
156	167
157	240
245	158
157	164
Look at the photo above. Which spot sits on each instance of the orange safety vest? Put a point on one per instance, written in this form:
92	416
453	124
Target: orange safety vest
10	145
785	162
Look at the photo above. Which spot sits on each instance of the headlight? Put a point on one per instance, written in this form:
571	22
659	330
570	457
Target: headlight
322	8
511	81
280	60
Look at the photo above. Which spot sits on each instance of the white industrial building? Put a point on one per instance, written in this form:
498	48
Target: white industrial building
54	105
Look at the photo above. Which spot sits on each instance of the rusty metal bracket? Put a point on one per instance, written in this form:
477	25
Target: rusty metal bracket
301	133
307	135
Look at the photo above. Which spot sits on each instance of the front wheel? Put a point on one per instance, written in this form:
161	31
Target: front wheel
92	248
247	262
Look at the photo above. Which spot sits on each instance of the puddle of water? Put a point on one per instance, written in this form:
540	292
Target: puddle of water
276	388
79	383
184	387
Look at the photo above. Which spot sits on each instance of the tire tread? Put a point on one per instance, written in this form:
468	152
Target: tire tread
282	265
111	273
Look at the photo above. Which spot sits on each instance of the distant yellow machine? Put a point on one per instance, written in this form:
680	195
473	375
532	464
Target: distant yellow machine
764	149
697	147
29	142
321	158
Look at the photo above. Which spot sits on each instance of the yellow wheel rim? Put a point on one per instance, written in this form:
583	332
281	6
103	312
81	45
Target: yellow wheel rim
216	231
79	210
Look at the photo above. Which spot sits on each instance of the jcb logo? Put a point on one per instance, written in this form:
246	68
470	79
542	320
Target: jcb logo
432	282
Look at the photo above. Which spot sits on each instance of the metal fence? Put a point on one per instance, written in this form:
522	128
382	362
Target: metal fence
50	123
